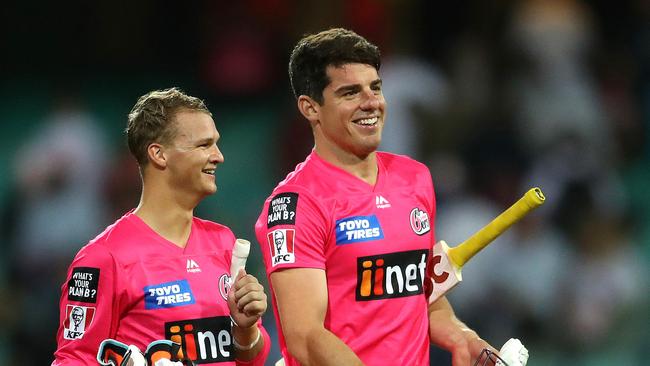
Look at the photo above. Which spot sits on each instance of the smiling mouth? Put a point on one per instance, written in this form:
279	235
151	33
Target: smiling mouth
208	171
366	122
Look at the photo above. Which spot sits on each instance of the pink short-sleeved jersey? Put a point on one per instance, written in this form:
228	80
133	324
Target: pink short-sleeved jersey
372	242
132	285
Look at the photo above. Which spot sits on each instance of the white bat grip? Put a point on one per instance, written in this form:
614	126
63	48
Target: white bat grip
239	255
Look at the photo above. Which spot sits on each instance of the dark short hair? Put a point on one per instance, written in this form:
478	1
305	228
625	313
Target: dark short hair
152	119
315	52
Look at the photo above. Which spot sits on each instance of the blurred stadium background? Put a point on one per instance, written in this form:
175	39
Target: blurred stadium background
495	96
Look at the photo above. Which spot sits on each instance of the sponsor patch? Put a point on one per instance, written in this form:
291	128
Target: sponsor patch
83	283
391	275
358	229
206	340
77	320
281	243
168	295
282	209
419	221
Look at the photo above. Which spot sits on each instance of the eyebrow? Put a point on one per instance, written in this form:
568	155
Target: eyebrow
206	140
355	87
347	88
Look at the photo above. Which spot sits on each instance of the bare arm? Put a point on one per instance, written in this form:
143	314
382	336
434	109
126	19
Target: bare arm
301	296
448	332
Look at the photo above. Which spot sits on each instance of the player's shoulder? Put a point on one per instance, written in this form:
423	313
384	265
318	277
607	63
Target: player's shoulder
404	170
304	185
305	174
110	241
305	180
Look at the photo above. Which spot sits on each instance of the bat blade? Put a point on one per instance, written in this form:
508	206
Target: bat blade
448	262
445	274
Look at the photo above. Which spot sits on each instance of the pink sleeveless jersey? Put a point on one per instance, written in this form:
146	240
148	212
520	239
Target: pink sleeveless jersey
373	242
132	285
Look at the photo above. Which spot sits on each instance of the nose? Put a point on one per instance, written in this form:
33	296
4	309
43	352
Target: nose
372	100
216	156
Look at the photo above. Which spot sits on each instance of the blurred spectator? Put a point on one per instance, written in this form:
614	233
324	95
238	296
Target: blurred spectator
413	88
555	96
607	277
59	175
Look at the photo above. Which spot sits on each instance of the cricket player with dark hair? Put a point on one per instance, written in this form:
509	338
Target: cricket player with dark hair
355	225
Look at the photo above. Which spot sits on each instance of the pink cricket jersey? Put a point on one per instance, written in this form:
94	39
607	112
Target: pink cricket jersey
132	285
372	242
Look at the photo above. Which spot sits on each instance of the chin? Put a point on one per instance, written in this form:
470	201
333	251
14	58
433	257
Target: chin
210	190
363	153
368	147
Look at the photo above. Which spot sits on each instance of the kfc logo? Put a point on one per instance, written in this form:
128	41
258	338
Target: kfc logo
281	244
77	320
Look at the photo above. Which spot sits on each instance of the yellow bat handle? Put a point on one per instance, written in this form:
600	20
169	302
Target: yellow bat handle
463	252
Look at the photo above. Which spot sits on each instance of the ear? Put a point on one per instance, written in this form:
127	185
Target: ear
156	154
309	108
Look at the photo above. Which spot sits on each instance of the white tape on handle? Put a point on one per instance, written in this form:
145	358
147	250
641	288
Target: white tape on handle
239	255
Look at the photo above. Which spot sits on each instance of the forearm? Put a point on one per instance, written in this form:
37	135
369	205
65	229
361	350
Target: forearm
445	329
320	347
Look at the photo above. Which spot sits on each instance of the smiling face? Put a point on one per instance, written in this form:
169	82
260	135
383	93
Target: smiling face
193	155
350	120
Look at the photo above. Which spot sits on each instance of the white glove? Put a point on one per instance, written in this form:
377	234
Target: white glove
166	362
131	355
514	353
136	358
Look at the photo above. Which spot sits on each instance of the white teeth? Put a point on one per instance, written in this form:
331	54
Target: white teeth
208	171
368	121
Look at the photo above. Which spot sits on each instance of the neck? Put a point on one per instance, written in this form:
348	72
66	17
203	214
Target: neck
165	215
362	167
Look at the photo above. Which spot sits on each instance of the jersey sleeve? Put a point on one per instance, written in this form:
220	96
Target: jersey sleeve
86	309
292	231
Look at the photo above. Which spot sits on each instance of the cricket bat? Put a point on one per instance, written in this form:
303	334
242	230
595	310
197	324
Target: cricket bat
448	262
239	255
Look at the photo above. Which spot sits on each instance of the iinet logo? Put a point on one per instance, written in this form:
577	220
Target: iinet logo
206	340
192	266
391	275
